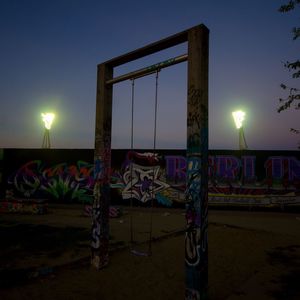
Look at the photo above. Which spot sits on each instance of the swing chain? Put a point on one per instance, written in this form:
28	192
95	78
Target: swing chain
131	166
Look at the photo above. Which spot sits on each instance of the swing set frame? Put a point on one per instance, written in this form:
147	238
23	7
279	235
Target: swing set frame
196	252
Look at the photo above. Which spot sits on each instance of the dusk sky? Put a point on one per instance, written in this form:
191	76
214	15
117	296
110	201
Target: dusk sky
49	53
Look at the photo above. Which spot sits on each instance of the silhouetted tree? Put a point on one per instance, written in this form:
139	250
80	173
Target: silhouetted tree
293	96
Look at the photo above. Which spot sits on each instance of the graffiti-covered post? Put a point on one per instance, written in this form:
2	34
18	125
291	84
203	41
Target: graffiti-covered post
196	252
102	161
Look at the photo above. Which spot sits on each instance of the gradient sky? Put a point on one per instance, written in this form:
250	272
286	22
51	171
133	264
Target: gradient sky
49	51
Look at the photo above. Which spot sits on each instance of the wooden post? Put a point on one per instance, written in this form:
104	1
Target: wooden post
196	252
102	162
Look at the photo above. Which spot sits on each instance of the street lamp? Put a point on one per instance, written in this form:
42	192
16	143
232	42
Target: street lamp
239	117
48	120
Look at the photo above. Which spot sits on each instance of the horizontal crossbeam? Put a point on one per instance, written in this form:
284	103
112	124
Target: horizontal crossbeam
149	70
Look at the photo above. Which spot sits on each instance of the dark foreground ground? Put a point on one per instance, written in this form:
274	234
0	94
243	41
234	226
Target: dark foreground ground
252	255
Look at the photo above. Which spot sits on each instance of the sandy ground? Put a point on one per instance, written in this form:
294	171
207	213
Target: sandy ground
252	255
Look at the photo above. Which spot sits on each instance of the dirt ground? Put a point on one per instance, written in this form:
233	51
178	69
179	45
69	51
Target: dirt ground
252	255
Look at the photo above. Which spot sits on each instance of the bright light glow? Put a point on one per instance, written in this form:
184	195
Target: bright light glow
48	119
239	117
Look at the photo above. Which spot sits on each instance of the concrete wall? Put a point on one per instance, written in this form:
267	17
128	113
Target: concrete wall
235	177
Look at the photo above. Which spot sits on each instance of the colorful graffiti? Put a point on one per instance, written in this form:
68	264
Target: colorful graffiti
114	212
58	182
102	174
229	168
36	207
244	180
142	178
196	254
142	183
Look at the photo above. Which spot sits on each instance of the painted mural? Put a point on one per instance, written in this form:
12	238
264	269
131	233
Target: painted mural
62	182
247	178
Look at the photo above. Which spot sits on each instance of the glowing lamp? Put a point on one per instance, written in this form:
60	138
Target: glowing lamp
48	119
238	117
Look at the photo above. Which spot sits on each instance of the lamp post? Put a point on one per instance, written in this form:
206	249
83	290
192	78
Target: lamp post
48	120
239	117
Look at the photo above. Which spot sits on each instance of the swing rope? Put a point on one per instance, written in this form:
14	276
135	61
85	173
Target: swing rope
131	162
135	252
154	152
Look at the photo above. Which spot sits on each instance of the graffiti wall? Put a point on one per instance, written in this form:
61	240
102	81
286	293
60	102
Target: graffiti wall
248	177
57	175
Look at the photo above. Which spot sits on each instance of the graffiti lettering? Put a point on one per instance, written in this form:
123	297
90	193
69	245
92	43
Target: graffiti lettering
278	167
175	167
248	165
95	227
248	178
227	167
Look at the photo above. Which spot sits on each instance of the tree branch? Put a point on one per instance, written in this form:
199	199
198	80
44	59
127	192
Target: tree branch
294	96
290	6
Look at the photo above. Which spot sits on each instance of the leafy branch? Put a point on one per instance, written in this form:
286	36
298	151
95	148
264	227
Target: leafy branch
290	6
293	96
